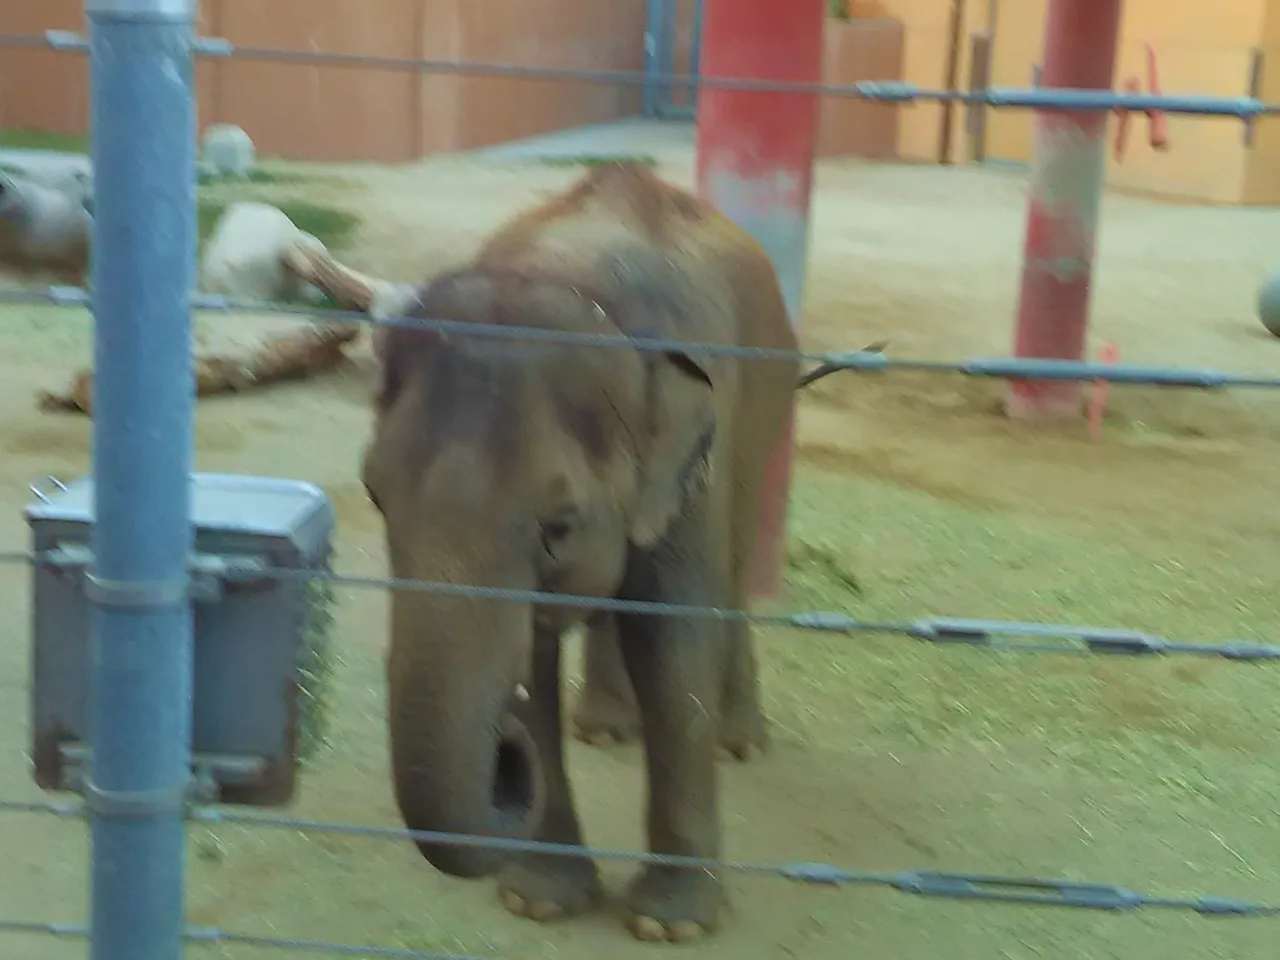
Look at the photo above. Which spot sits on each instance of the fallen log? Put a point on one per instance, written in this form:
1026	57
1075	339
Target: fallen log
293	355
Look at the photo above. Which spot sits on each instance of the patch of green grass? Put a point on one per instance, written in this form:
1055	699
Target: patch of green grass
256	175
43	140
332	227
599	159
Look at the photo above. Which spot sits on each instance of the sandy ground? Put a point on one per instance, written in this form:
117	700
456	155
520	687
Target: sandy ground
911	499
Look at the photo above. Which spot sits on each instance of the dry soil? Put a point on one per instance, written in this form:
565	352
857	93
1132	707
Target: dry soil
912	498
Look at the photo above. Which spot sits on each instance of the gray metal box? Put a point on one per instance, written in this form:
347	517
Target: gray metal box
259	640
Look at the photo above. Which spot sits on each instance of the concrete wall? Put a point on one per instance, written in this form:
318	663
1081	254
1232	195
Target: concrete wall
358	113
341	113
928	43
1200	48
40	89
860	50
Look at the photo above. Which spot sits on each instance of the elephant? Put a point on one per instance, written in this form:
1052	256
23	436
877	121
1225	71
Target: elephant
628	472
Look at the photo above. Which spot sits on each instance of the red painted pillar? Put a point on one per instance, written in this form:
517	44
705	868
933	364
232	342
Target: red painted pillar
755	163
1068	170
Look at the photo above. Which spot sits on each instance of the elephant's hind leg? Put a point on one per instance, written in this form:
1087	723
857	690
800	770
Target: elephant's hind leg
539	886
743	729
606	712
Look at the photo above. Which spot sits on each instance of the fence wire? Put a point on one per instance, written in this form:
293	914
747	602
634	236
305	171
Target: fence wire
997	634
862	360
883	91
1035	891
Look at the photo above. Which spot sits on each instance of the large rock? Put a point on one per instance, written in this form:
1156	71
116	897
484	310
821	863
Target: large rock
227	151
68	172
244	256
44	226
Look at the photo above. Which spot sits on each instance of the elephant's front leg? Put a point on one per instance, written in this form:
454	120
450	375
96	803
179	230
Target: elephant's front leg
606	711
539	886
675	666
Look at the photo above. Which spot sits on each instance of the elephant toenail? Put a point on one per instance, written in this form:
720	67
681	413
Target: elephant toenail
648	929
684	931
514	903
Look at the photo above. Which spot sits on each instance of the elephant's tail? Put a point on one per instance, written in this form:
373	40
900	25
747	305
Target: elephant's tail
825	369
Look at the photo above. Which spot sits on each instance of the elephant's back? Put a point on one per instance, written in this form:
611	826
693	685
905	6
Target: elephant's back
677	266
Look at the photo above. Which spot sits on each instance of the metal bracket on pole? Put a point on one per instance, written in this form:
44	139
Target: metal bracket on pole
152	10
123	805
210	773
207	582
204	46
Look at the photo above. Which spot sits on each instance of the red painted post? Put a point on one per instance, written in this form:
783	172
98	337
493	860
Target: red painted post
1068	170
755	163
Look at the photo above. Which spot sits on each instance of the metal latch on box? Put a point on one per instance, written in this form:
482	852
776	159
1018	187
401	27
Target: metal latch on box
209	574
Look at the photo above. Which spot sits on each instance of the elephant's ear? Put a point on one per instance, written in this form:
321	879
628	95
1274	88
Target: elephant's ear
680	433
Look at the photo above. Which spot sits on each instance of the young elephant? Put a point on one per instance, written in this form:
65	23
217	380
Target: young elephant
610	472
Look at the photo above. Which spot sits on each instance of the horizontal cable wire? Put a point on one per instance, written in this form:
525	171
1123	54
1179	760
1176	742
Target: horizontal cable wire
213	935
928	883
884	91
862	360
994	634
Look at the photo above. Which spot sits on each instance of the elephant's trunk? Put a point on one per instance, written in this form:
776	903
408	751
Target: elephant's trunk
462	760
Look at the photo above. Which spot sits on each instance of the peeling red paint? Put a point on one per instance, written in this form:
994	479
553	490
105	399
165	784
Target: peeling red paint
1081	37
755	163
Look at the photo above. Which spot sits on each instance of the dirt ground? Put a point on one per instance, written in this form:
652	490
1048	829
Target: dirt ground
911	498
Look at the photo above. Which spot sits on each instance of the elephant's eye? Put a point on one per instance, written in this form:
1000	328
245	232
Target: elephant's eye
556	529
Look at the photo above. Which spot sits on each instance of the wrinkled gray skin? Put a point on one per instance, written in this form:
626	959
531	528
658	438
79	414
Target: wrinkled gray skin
607	711
604	472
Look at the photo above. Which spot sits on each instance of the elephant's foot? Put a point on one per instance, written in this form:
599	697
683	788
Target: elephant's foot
602	719
548	888
666	904
743	733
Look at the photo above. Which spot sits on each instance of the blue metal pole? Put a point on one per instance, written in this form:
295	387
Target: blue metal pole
695	54
144	135
653	39
667	33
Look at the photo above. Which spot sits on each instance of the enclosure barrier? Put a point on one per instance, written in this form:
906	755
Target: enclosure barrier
137	798
884	91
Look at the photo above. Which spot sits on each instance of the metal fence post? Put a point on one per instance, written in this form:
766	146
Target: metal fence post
1068	171
755	163
143	126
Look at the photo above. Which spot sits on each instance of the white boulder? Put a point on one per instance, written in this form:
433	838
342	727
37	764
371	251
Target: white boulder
227	151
